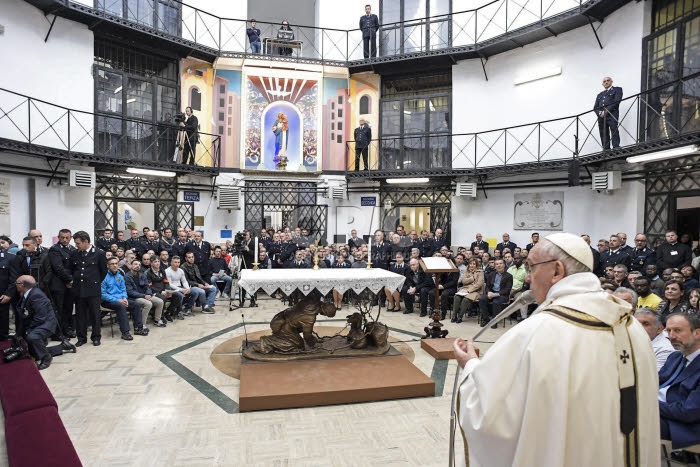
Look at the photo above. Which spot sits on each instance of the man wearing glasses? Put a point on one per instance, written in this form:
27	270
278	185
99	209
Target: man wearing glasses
578	377
641	255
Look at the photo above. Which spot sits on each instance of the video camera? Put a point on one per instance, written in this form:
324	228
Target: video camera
238	244
16	351
180	117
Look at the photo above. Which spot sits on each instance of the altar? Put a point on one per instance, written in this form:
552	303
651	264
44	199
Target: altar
311	375
322	280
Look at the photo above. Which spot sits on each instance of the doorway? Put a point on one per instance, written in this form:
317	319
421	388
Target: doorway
135	215
688	217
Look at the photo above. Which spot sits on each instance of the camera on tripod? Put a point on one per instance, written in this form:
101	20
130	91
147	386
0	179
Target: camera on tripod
238	244
180	117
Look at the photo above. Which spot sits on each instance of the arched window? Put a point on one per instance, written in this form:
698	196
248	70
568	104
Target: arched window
365	105
195	99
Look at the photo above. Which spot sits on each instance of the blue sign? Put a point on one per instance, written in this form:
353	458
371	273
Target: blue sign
191	196
368	201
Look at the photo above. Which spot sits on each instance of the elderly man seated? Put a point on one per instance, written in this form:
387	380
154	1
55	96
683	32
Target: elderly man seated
654	327
679	382
498	287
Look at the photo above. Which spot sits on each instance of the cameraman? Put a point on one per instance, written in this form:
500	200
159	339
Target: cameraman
36	321
190	126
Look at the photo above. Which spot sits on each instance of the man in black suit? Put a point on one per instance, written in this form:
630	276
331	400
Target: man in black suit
180	246
89	268
202	253
354	241
596	257
36	321
614	255
369	25
363	136
435	243
381	251
8	276
60	281
417	283
479	243
506	244
498	287
606	108
673	254
105	241
447	287
191	127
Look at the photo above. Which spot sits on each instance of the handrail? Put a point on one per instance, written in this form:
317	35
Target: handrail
43	126
641	120
218	36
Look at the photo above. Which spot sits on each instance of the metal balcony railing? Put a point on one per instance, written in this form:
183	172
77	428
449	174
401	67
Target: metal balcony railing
464	30
37	127
647	121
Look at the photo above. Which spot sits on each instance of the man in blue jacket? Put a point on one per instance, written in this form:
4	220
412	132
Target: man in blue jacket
679	382
114	297
606	108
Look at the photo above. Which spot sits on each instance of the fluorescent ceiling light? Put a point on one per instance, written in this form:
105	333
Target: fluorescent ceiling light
534	75
118	90
667	154
129	101
407	180
155	173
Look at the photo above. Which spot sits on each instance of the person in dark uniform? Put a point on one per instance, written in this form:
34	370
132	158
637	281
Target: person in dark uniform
36	321
479	243
61	281
642	255
535	238
8	276
202	253
274	251
506	243
180	246
606	108
417	283
121	243
191	127
369	25
167	242
363	136
105	241
135	244
89	268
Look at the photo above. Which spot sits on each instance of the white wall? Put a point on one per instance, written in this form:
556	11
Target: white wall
216	220
585	212
480	105
56	206
58	71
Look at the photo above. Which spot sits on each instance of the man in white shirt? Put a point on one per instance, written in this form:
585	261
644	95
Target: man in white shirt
575	384
659	340
178	281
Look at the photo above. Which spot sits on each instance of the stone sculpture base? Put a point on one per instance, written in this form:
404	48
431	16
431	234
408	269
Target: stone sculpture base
309	383
439	349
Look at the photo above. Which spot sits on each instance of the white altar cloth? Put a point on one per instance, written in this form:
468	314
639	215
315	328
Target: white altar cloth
323	280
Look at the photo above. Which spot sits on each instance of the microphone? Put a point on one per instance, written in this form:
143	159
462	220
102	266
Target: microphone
244	330
526	298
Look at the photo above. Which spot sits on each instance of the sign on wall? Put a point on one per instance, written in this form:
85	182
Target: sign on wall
368	201
5	206
190	196
539	211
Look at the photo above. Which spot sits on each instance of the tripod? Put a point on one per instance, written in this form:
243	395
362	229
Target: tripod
236	271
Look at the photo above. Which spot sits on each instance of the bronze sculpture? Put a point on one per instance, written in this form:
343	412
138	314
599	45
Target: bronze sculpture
286	326
433	331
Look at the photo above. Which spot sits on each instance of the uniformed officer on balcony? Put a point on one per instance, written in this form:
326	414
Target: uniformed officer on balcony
607	109
369	25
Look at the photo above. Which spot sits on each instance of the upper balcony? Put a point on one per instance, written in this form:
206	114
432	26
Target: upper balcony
661	118
491	29
38	128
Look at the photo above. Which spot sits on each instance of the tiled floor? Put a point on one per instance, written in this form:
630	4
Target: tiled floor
123	406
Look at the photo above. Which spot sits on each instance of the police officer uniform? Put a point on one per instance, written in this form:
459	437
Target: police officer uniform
89	269
60	277
641	257
363	136
609	102
105	243
8	276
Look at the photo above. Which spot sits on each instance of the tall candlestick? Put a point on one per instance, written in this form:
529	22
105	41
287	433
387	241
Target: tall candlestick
369	250
256	250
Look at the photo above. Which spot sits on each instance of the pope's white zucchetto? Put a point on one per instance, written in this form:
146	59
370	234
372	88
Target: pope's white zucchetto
574	246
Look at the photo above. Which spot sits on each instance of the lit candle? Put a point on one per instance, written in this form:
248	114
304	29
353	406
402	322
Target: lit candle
369	250
255	260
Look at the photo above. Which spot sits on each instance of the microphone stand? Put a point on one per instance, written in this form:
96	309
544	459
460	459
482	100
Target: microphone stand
525	299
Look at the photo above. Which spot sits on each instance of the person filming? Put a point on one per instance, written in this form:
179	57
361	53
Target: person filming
190	125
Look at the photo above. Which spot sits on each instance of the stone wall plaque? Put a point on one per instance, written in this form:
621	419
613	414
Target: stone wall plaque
539	211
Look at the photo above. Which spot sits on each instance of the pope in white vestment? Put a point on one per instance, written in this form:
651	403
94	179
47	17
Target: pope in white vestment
548	392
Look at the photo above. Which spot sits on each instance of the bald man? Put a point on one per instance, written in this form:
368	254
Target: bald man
36	321
606	108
